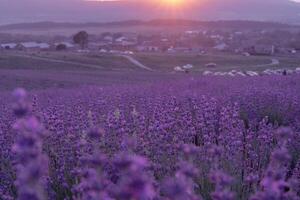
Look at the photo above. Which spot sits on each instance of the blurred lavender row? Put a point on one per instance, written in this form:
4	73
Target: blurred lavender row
217	138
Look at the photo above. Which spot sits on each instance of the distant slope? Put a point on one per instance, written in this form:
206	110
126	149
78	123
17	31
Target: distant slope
158	22
262	10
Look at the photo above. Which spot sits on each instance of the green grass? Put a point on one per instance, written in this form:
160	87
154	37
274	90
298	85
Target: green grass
16	62
225	62
30	73
292	62
103	62
167	62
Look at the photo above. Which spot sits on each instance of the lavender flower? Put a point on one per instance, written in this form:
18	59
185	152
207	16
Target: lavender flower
134	182
162	141
222	182
31	164
274	184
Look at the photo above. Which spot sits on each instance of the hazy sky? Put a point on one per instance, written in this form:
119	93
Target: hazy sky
14	11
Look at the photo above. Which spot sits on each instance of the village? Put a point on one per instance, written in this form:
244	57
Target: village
271	45
247	42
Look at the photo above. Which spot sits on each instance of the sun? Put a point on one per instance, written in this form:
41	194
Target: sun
172	8
172	3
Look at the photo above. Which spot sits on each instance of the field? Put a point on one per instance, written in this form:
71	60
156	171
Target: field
94	126
225	62
44	70
50	69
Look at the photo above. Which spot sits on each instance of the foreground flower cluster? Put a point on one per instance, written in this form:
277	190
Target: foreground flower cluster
197	138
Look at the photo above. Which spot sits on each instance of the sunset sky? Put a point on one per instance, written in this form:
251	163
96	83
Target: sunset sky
14	11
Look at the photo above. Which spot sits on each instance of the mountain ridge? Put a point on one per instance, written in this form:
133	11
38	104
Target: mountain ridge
155	22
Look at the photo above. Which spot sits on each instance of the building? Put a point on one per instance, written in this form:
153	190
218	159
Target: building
143	48
8	45
32	46
221	47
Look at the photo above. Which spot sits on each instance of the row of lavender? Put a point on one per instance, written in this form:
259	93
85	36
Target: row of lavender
196	138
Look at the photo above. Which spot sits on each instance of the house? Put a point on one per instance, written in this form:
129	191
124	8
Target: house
188	66
178	69
211	65
246	54
238	33
144	48
192	33
32	45
103	51
108	39
83	51
221	47
182	50
220	73
8	45
207	73
184	68
217	37
120	39
125	41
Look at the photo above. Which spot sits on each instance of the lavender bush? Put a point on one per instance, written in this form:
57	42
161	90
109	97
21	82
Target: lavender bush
194	138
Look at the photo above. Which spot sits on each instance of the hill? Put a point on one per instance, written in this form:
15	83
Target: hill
154	23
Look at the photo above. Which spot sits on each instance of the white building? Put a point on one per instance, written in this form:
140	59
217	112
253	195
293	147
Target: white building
188	66
147	48
211	65
8	45
221	47
32	45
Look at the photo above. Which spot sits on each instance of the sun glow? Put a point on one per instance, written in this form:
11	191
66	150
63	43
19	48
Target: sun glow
161	3
172	3
170	6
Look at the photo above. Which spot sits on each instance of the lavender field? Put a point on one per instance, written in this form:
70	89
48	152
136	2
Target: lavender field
191	138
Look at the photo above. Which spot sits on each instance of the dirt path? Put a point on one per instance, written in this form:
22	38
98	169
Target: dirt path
273	62
136	62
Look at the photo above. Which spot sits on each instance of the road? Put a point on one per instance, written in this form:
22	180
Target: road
136	62
274	61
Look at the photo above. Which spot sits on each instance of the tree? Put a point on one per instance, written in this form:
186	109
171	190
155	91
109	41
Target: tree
81	38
